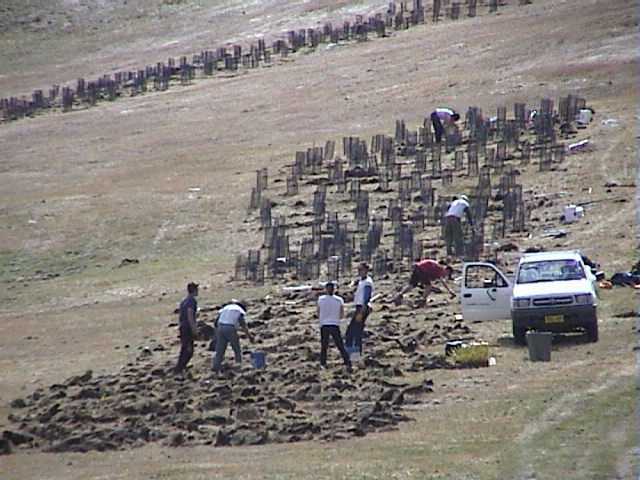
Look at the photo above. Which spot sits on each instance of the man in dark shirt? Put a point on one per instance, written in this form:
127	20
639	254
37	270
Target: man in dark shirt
425	272
187	319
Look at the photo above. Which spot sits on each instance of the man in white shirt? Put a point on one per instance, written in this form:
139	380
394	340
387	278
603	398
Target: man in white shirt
441	118
453	235
361	299
330	312
229	319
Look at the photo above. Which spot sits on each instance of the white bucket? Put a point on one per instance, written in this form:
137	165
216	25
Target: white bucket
584	116
572	213
354	354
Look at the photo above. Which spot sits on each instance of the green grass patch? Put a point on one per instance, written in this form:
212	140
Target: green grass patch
475	355
582	439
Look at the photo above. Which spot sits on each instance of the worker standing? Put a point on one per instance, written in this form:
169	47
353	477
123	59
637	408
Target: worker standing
453	234
441	118
361	299
229	319
330	312
424	273
187	326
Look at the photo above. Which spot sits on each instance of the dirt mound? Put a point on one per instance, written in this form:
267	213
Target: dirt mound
291	400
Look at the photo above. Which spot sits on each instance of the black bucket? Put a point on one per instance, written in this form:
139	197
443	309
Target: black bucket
539	344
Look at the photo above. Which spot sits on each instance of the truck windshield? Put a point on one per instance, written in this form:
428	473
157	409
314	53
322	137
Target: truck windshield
550	271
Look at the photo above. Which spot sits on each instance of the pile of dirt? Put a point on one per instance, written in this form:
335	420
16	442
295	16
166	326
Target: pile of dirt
291	400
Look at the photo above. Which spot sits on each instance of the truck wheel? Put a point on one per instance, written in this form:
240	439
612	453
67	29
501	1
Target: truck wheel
519	335
592	331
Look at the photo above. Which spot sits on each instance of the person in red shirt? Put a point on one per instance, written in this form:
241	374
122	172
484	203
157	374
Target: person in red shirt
424	273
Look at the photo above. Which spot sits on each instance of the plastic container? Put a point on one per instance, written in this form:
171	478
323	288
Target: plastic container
539	344
474	354
584	116
572	213
354	353
258	359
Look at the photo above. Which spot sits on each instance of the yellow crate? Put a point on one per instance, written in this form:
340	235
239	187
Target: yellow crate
472	355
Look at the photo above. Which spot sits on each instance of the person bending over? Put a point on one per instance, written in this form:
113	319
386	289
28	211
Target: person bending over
441	118
424	273
229	319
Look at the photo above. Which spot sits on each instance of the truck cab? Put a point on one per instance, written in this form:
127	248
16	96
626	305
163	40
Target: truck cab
551	291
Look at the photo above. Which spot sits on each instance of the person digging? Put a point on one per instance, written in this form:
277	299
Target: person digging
424	273
230	318
443	118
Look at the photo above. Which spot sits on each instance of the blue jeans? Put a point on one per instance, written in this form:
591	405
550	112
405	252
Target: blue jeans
226	334
332	331
437	127
353	337
186	348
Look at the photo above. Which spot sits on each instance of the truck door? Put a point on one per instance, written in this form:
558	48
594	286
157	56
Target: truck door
485	293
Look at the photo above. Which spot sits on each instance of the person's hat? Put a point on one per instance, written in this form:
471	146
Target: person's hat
192	287
330	283
464	197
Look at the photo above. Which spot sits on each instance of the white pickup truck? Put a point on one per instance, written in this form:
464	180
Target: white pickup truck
551	291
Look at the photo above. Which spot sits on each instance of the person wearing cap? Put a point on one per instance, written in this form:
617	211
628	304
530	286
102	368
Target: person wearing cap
187	326
441	118
453	235
424	273
361	299
330	312
229	319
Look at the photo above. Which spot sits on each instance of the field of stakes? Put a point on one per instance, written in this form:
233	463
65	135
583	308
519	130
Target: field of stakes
165	178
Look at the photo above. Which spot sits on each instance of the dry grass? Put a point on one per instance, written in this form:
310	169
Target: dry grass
115	181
